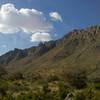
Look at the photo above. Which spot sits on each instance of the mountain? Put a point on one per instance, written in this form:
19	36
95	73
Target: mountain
77	50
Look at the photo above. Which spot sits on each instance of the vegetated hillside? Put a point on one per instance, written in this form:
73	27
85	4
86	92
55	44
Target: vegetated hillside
77	50
68	68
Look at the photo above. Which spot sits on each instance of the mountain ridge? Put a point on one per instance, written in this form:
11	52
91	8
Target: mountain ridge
79	49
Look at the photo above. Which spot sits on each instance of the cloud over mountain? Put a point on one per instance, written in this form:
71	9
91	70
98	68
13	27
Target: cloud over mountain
15	23
40	37
55	16
27	20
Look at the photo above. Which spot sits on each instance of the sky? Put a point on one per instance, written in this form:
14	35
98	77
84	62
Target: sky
25	23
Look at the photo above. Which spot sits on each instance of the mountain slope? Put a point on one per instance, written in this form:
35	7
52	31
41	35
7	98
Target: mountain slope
79	49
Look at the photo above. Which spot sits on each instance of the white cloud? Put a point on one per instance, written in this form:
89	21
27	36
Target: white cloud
28	20
37	37
55	16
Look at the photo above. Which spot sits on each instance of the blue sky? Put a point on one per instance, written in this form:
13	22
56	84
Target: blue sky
74	14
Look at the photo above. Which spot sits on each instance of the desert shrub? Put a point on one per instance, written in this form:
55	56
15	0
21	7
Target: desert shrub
44	94
26	96
90	94
3	89
62	93
77	79
52	78
80	96
94	77
2	72
87	94
8	97
18	87
97	86
33	77
15	76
